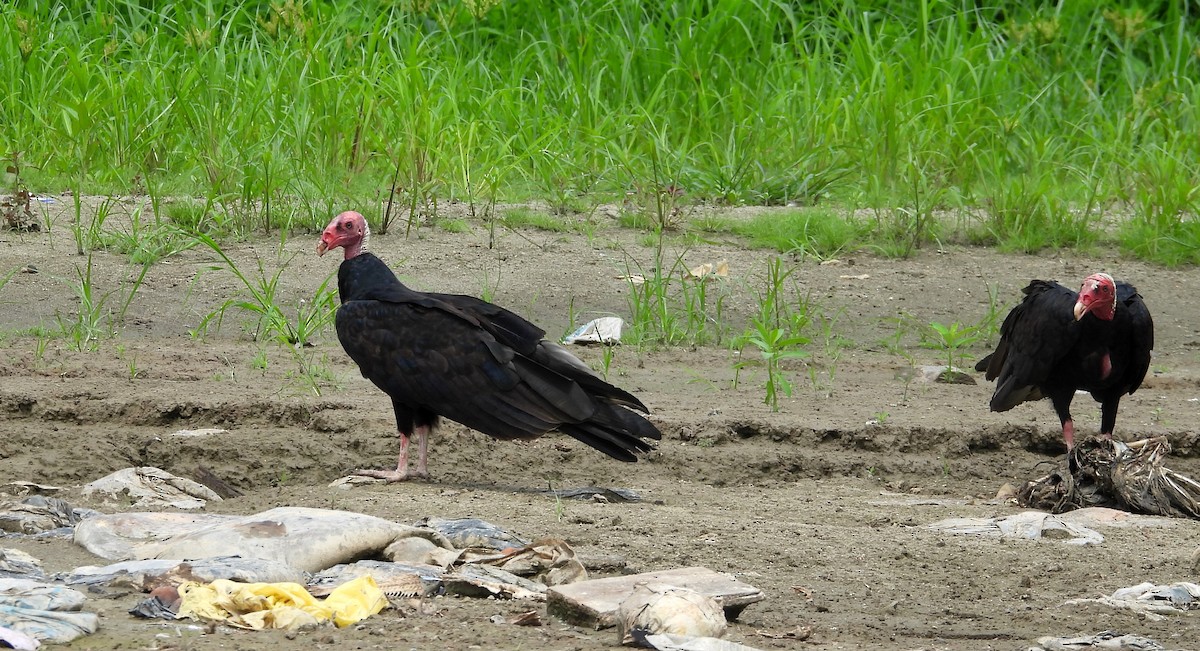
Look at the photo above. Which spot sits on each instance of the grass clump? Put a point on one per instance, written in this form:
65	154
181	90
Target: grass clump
813	232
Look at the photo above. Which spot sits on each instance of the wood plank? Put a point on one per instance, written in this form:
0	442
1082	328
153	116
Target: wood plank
594	603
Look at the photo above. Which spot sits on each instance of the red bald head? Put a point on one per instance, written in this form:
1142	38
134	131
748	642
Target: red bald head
1098	297
348	230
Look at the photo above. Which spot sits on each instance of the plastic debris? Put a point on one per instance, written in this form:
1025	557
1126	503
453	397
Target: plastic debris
549	561
595	602
145	574
397	580
1030	525
1106	641
464	533
280	605
149	486
590	493
1155	602
50	613
604	330
18	640
39	514
487	581
709	271
664	642
305	539
666	609
16	564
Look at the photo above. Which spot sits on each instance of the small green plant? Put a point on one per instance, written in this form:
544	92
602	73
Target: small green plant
95	319
259	361
777	332
953	339
312	315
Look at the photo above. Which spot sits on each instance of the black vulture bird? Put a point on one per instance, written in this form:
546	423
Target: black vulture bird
465	359
1056	341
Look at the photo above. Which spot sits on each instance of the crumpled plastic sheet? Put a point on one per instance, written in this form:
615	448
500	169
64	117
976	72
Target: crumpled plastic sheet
16	564
149	486
18	640
286	606
50	613
38	514
464	533
666	642
307	539
1156	602
141	575
604	330
1106	641
1030	525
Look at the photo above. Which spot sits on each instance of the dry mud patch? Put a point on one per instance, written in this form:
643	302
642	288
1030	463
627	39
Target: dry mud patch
800	503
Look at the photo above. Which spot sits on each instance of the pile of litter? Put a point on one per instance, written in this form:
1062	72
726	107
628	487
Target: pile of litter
1126	476
299	568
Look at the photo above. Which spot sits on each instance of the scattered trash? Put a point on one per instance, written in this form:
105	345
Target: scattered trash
305	539
1030	525
800	633
854	276
604	330
1155	602
17	640
285	606
1126	476
590	493
664	642
149	486
39	514
527	618
16	564
50	613
22	488
633	279
144	575
203	431
709	271
464	533
1106	641
666	609
549	561
397	580
421	551
487	581
595	602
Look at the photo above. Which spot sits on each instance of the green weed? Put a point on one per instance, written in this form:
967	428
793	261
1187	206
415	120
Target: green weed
272	324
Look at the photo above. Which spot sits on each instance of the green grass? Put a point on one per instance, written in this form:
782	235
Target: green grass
268	112
815	232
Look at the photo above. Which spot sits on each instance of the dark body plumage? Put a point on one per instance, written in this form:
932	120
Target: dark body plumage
1045	352
478	364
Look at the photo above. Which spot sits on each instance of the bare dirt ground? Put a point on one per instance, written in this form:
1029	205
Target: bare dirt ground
800	503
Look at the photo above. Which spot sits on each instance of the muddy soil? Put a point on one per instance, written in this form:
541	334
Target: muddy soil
812	503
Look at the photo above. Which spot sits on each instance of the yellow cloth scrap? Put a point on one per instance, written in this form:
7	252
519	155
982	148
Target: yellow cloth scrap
280	605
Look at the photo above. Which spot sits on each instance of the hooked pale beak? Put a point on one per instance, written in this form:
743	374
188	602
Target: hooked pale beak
1081	308
322	247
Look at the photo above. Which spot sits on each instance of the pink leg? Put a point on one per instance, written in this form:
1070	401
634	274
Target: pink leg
422	434
401	471
1069	434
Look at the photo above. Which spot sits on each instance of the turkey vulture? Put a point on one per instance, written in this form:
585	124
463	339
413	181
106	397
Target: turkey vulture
1056	341
470	361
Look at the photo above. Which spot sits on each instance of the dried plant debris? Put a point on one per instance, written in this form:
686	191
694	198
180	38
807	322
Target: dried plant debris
17	210
1126	476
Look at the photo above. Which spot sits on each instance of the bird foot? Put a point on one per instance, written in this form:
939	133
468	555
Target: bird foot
391	476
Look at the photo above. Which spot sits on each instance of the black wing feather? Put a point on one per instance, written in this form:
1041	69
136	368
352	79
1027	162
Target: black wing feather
478	364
